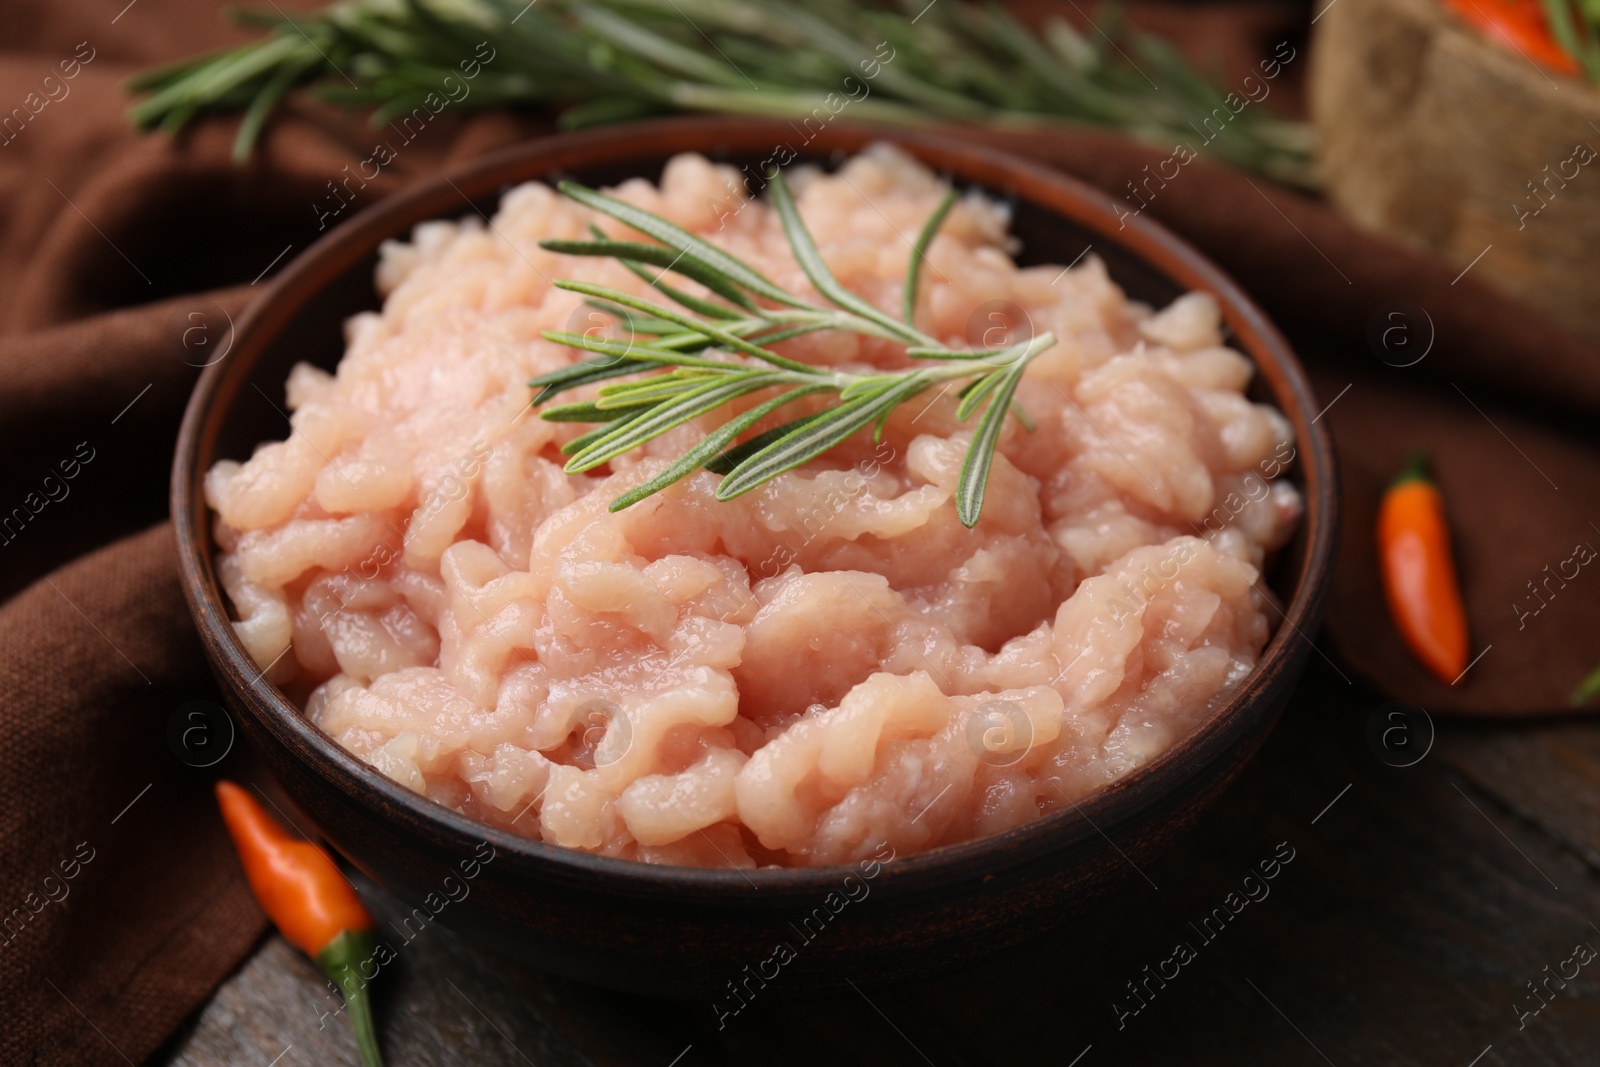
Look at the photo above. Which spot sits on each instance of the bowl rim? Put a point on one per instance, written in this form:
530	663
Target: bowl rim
650	142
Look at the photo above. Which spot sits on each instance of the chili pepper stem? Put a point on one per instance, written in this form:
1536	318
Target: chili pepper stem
1587	689
1416	468
341	961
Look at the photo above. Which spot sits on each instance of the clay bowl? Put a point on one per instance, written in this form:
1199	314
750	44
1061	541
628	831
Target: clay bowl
687	932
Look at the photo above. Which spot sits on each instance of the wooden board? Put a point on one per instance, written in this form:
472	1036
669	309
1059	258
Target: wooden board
1445	138
1418	903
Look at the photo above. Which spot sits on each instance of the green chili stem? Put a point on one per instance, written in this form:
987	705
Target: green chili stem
341	961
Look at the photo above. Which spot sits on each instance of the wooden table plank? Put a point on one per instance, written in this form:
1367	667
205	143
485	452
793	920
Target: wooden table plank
1419	902
1547	773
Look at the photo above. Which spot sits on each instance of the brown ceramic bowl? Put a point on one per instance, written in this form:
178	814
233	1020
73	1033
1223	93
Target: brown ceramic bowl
688	932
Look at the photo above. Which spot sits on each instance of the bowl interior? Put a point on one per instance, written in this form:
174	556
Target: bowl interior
1057	221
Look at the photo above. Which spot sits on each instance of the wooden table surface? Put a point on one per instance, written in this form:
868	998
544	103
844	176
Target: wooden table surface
1422	906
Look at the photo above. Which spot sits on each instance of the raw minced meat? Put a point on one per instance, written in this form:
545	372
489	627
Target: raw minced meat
798	676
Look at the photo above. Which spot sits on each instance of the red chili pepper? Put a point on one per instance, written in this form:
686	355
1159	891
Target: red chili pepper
1518	24
1419	573
310	901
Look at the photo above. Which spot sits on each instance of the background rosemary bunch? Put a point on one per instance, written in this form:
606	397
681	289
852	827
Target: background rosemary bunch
617	59
719	351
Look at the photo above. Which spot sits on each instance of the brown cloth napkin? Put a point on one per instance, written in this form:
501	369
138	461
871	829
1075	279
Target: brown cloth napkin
122	259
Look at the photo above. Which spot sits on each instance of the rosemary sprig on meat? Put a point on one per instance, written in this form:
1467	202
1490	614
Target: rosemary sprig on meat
710	351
